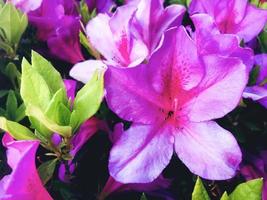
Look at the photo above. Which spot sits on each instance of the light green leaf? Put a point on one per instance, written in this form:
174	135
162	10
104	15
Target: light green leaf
87	100
15	23
51	76
11	105
34	89
53	110
20	113
37	113
225	196
17	131
250	190
46	170
200	192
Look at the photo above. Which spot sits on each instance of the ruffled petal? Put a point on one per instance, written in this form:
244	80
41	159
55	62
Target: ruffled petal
208	150
150	152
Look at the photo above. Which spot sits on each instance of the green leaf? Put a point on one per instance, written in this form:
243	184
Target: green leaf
54	109
85	42
51	76
84	11
200	192
34	89
11	105
37	114
250	190
14	25
46	170
225	196
253	76
143	197
20	113
87	100
17	131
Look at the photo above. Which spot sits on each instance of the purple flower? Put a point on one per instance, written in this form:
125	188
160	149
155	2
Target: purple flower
70	86
129	35
101	6
169	101
57	23
255	167
26	5
233	16
24	182
258	92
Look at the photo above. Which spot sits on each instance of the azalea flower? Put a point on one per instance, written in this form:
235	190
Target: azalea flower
132	32
258	92
58	24
233	16
24	182
26	5
172	101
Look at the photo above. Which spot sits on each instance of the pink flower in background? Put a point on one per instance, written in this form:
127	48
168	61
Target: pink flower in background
169	101
116	42
233	16
208	39
152	19
58	24
132	32
26	5
24	182
258	92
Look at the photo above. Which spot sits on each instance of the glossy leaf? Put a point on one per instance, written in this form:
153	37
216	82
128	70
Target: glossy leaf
200	192
46	170
16	130
250	190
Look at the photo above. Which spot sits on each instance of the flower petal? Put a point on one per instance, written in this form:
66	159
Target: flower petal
21	158
150	152
84	71
208	150
151	20
252	24
221	89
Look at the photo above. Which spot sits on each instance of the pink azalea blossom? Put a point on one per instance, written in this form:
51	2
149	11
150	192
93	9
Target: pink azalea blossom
172	101
233	16
58	24
129	35
258	92
24	182
26	5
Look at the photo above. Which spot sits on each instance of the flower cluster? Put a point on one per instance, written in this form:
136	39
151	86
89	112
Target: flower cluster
168	72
